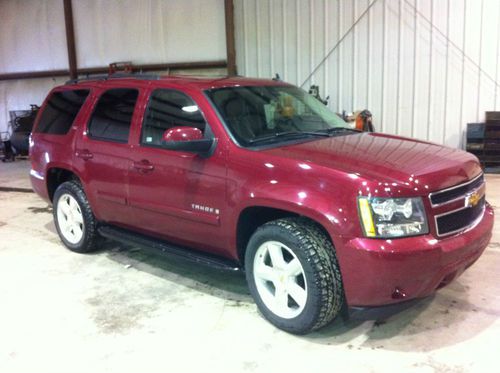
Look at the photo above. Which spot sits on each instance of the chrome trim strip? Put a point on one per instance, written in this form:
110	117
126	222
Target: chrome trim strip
451	188
461	229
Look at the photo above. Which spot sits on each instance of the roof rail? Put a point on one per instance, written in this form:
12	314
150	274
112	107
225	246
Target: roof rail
140	76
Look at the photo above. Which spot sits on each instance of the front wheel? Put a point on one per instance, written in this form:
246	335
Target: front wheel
293	275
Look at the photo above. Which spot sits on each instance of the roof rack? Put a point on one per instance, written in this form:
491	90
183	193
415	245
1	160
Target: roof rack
103	77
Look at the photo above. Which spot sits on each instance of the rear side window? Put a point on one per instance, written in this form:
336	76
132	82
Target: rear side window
61	111
113	115
166	109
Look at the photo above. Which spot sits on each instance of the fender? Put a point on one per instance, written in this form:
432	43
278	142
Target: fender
330	211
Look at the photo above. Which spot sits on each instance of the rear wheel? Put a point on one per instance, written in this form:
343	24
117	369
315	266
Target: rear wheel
293	275
74	220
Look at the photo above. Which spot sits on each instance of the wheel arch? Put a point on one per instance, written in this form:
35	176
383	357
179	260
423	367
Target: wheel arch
58	174
252	217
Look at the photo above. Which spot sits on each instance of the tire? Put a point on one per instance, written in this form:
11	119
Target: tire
73	217
295	298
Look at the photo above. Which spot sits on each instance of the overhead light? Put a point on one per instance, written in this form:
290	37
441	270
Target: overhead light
190	108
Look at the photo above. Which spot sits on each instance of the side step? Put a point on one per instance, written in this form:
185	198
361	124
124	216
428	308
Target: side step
159	246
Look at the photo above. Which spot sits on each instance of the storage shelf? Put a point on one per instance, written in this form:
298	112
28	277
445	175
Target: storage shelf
483	139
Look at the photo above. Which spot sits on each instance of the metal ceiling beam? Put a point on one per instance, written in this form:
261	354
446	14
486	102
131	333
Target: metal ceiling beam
105	69
70	38
230	44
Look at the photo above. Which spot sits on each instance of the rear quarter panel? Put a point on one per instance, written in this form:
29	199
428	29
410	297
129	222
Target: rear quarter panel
49	151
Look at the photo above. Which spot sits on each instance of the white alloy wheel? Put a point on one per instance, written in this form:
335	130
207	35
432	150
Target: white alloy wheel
280	279
70	218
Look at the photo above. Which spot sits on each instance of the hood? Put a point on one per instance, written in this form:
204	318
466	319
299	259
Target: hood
387	158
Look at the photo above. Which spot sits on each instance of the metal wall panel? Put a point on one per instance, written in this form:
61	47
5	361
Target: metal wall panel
32	36
148	31
424	68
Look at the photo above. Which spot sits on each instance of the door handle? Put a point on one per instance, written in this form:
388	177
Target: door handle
144	166
84	154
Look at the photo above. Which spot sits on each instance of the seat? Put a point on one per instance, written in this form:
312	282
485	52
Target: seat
246	121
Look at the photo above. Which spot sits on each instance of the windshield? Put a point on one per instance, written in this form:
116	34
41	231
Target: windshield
273	114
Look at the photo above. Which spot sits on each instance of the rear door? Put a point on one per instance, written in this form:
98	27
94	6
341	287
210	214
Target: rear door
176	195
103	152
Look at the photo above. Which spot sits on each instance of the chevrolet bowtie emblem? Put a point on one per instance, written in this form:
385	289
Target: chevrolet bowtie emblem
472	199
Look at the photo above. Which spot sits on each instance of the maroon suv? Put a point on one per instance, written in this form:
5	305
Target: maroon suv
257	174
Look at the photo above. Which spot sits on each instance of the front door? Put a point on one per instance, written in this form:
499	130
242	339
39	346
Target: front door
176	195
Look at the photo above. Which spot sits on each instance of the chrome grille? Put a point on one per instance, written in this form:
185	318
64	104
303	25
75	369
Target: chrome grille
472	195
457	220
457	192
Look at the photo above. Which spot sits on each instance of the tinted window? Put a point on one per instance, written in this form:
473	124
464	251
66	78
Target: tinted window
60	111
167	109
113	114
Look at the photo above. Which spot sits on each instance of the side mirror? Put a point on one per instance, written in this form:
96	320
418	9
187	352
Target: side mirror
188	139
182	134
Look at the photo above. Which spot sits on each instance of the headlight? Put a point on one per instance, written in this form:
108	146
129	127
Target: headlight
392	217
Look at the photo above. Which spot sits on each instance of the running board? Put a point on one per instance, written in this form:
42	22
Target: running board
162	247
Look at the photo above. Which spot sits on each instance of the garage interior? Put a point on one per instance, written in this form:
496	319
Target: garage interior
425	69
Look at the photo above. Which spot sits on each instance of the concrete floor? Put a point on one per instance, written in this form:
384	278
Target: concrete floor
122	310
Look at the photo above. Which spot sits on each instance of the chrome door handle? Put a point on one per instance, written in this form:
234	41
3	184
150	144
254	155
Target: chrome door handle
84	154
144	166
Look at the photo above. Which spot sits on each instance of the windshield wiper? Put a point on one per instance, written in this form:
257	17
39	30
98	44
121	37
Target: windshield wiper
339	129
288	134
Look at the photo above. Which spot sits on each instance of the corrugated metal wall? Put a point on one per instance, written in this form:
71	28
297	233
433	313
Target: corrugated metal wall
424	68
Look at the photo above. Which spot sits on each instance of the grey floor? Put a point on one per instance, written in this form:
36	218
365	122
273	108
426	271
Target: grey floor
124	310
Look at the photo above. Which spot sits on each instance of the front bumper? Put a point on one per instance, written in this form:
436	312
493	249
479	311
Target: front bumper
378	272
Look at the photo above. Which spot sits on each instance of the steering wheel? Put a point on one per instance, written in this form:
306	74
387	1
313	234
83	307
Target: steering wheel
286	124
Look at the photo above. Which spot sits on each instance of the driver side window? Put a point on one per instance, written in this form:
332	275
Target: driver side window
166	109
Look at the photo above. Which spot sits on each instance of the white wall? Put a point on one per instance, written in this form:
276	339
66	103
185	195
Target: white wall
397	61
148	31
32	38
